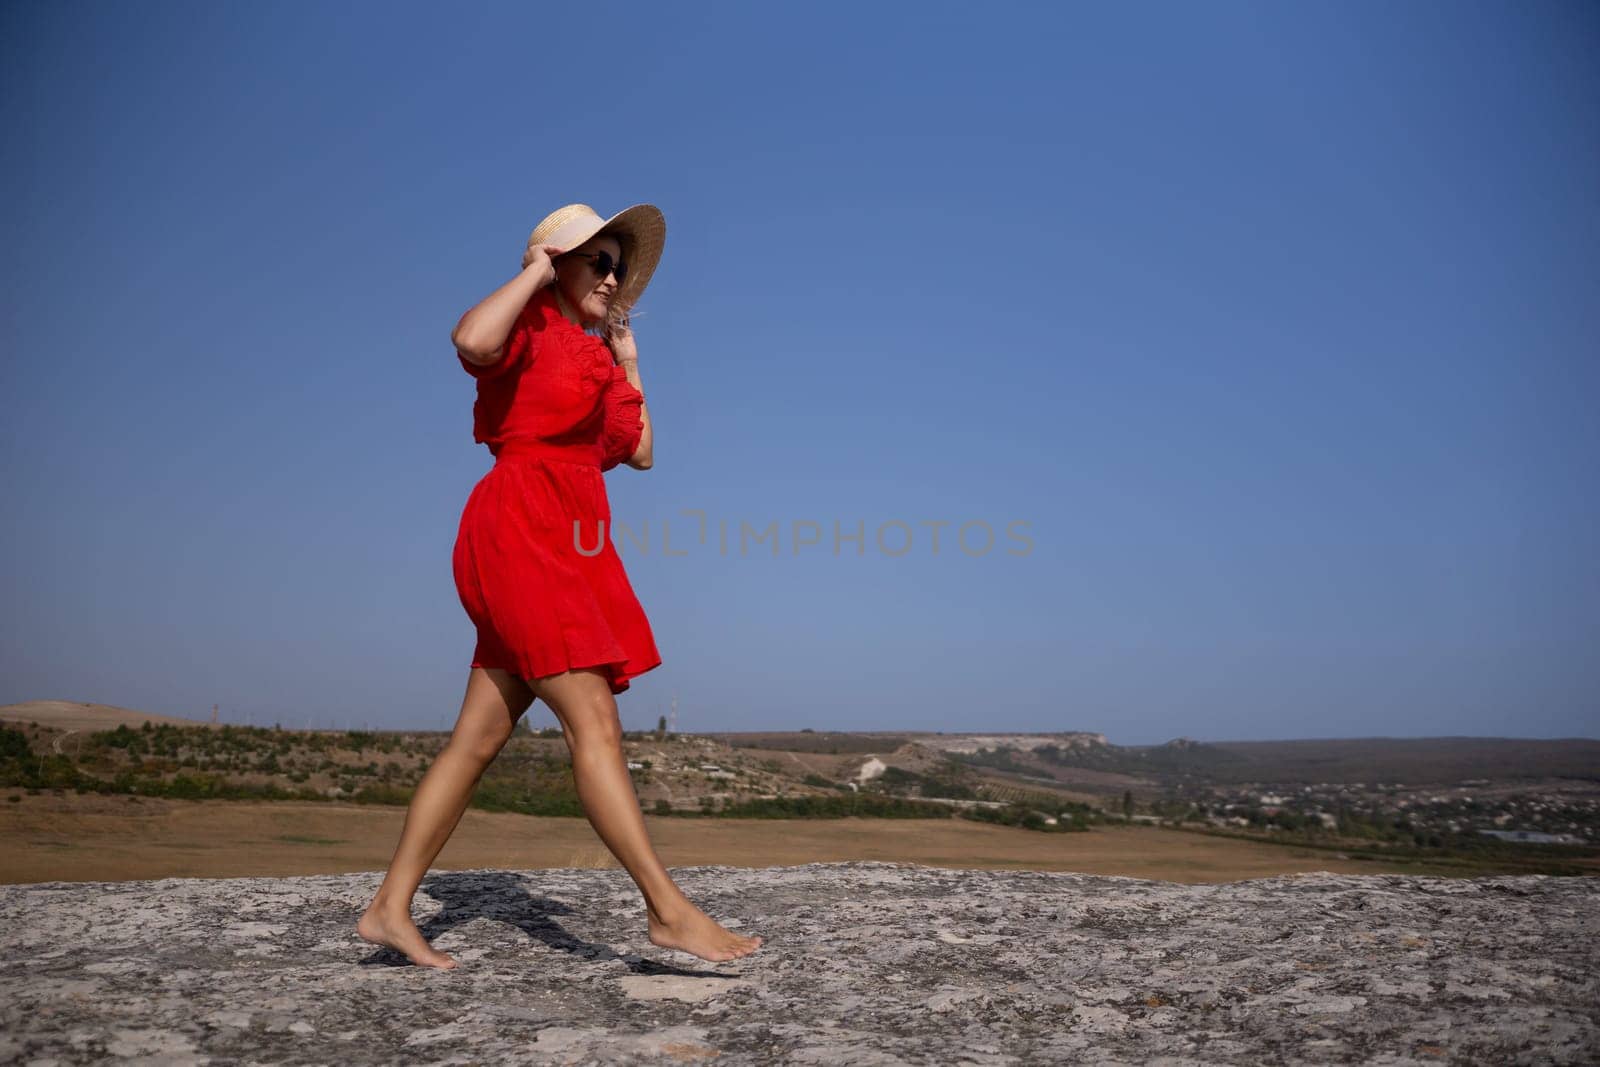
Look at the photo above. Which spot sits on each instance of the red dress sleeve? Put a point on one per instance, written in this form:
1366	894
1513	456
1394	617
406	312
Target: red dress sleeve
624	419
521	346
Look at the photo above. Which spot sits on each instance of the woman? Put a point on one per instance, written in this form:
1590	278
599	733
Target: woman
557	620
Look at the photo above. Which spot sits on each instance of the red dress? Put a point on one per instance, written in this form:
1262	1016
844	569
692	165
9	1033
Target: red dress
555	411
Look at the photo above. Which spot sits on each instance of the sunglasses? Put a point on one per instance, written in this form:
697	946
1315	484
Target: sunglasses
604	265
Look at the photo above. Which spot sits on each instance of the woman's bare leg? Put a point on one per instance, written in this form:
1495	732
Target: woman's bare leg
587	709
495	700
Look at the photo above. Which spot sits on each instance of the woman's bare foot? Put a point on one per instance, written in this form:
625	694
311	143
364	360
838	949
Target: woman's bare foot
401	934
692	930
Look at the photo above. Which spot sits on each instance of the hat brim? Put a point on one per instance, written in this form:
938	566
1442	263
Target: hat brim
646	231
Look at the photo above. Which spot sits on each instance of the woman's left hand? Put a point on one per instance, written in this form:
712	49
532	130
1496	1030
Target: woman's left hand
620	338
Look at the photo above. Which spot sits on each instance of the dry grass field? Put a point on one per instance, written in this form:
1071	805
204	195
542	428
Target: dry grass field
71	837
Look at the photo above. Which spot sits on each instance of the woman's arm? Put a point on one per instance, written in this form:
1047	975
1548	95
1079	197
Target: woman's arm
481	334
625	351
642	459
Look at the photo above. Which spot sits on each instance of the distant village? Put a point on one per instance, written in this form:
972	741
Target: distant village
1533	817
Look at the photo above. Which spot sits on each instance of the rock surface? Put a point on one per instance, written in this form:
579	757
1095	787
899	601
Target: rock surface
863	963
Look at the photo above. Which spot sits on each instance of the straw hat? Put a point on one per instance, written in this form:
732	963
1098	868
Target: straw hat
640	229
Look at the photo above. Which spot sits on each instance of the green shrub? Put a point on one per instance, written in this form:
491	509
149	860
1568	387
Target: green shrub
14	744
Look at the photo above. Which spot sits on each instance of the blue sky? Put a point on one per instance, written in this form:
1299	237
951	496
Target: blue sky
1274	323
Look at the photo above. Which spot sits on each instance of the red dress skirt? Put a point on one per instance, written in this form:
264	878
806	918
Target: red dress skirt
534	560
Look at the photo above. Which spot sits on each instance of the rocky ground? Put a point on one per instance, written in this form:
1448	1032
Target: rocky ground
864	963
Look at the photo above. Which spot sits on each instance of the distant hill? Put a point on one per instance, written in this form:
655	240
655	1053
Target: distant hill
1087	761
817	741
1371	760
1079	764
1410	760
70	715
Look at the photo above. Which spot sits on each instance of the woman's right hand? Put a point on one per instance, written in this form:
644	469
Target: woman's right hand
541	261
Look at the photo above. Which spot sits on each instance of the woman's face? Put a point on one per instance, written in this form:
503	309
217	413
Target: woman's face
586	292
